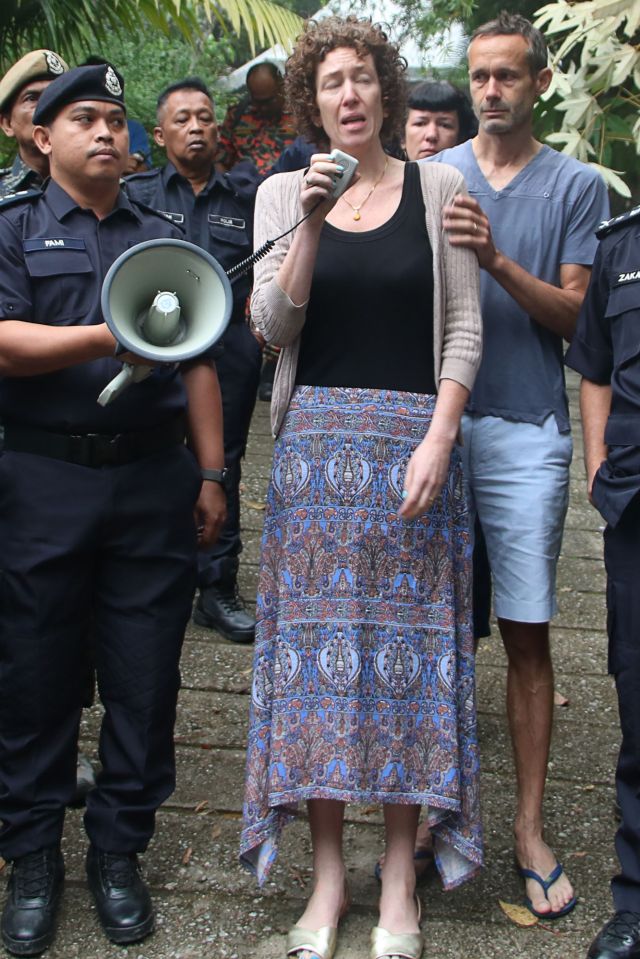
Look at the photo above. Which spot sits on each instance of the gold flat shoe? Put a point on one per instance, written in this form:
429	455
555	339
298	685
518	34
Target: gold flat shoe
321	942
386	945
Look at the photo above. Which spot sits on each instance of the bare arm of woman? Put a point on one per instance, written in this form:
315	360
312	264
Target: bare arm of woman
429	464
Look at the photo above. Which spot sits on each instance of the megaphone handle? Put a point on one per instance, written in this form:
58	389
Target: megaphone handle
127	375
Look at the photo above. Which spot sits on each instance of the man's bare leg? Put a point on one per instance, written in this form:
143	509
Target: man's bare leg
530	714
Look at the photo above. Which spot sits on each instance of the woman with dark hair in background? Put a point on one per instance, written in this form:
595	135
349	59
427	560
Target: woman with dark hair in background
439	116
363	687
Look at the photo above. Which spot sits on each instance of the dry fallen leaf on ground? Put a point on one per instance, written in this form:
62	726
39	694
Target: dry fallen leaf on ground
519	915
254	504
188	853
216	832
299	878
201	806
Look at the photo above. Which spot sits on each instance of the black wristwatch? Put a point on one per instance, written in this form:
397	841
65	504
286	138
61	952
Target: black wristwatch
215	476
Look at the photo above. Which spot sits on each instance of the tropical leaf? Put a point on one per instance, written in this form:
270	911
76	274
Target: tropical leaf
596	85
75	26
612	179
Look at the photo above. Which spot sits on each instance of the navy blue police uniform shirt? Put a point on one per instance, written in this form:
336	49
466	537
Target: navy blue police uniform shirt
219	219
605	349
53	259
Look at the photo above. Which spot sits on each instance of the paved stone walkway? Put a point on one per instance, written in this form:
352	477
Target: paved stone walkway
209	908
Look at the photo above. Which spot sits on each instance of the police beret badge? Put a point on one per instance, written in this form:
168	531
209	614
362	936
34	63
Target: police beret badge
54	63
112	83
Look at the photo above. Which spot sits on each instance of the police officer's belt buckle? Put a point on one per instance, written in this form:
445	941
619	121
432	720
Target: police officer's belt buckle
96	449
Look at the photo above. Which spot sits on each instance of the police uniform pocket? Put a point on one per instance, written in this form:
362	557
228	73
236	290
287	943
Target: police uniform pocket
229	240
623	298
623	313
63	279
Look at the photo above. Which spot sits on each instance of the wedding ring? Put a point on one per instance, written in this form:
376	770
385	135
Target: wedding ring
475	227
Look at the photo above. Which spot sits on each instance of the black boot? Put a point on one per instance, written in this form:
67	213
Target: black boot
220	607
618	939
34	891
122	898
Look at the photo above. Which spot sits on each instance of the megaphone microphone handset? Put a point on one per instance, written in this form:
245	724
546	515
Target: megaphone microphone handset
341	182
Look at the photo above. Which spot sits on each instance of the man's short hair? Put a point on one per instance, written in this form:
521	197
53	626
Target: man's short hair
510	24
268	67
189	83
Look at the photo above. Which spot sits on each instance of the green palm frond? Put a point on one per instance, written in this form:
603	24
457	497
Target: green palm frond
71	26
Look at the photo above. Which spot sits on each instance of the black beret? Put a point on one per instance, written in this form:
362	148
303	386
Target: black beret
101	82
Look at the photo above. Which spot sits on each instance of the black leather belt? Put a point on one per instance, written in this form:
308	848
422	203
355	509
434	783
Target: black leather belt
95	449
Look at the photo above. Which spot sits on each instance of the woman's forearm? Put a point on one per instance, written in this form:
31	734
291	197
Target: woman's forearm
450	404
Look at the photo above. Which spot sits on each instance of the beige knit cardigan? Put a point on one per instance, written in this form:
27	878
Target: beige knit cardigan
457	324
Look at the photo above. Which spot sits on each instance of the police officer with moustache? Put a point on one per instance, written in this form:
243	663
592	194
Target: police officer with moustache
20	90
216	212
606	351
99	511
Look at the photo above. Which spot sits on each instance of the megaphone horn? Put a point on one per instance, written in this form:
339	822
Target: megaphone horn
164	300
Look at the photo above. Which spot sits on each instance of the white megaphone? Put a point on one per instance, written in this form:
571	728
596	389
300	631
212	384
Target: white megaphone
166	301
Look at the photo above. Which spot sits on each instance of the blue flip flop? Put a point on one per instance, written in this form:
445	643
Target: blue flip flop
418	856
546	885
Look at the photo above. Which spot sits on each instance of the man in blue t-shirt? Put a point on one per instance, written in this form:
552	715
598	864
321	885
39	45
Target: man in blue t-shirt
530	217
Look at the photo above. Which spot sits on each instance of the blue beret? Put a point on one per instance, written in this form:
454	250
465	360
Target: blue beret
101	82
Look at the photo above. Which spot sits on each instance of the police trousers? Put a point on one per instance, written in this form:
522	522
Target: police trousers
107	554
238	372
622	560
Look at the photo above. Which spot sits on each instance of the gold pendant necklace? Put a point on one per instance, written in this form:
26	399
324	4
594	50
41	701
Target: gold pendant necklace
356	208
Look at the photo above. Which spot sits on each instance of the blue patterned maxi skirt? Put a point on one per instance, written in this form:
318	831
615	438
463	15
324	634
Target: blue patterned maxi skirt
363	685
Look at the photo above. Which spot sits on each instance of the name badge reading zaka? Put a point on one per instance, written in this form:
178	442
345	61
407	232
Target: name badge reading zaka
629	277
54	243
236	222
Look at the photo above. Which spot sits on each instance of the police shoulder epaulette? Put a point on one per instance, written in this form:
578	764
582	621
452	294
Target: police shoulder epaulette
149	209
22	196
243	179
608	226
144	175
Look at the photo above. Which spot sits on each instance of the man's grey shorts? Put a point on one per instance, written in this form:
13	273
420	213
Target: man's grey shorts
518	476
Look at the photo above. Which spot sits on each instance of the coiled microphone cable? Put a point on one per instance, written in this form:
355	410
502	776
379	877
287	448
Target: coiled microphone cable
235	272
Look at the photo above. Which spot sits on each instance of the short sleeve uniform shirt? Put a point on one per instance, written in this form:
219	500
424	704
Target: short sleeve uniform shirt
606	350
53	259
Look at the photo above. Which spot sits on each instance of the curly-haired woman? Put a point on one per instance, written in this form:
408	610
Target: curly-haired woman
363	676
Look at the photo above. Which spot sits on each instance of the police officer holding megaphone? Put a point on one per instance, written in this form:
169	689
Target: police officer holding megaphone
100	505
